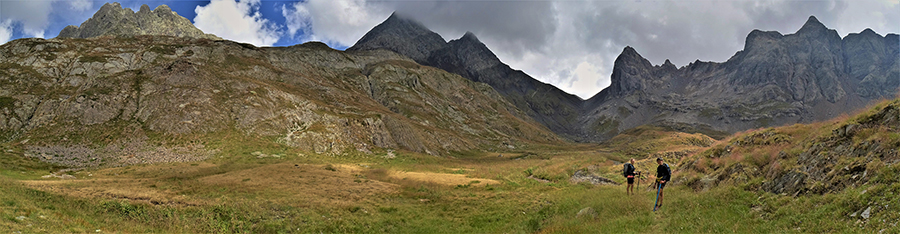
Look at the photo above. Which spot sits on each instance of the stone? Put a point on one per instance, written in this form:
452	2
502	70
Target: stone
865	214
587	212
585	176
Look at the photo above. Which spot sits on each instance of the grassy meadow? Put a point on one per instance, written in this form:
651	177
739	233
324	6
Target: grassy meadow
253	185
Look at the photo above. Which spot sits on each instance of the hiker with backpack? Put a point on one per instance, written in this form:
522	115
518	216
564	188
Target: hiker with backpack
628	172
663	174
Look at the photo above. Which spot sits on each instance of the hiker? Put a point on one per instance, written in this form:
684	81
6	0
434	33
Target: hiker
663	174
628	172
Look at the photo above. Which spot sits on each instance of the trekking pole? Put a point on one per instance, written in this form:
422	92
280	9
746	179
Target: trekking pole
658	186
639	180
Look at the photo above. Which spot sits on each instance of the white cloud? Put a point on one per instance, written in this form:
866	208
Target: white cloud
33	16
80	5
340	22
5	31
238	21
586	77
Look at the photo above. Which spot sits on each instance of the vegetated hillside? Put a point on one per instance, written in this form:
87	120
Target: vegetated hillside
135	99
853	163
808	76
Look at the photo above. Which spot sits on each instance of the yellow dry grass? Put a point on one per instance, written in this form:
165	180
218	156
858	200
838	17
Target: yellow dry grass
309	184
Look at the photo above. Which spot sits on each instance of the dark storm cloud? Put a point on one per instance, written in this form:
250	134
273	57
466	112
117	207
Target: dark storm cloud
519	26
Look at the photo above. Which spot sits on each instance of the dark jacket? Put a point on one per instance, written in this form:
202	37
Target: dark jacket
629	170
663	172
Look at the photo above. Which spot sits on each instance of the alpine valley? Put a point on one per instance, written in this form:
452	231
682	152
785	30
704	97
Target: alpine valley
139	122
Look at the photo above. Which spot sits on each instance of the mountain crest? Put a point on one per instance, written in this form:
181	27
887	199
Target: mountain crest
814	28
812	23
629	72
470	37
630	55
113	20
402	35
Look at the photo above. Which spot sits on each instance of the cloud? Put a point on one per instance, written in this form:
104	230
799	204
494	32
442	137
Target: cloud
238	21
5	31
513	27
32	16
340	22
81	5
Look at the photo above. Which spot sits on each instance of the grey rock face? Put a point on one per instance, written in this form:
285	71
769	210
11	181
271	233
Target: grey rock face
113	20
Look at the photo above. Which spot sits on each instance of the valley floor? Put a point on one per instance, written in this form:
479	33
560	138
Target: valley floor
409	193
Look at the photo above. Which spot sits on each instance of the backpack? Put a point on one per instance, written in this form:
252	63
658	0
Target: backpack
628	168
668	169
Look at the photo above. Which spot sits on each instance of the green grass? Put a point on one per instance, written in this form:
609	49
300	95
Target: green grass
7	103
517	204
92	59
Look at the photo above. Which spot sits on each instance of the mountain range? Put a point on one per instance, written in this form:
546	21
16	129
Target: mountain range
777	79
125	85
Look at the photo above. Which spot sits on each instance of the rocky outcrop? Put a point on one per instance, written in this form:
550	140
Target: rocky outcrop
857	152
113	20
470	58
849	156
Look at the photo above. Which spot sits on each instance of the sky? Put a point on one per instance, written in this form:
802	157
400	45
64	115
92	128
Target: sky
570	44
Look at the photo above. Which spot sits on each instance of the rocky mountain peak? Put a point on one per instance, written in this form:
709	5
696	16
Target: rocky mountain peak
113	20
869	31
161	9
758	38
667	65
630	55
813	27
467	52
402	35
629	70
469	36
111	7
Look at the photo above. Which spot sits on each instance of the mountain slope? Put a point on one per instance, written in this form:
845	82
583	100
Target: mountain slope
113	20
69	100
470	58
